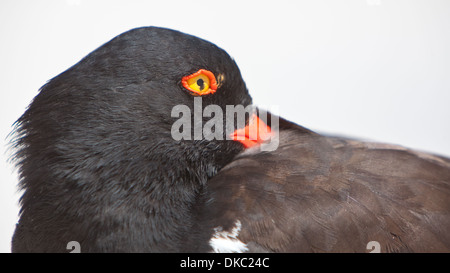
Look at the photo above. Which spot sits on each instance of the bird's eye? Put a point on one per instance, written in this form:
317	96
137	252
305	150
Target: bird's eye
202	82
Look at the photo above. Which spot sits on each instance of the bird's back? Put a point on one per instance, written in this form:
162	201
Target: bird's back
325	194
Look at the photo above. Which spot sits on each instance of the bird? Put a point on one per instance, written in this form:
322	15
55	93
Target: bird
109	157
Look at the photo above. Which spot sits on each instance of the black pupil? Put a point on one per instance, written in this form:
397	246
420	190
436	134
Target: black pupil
201	84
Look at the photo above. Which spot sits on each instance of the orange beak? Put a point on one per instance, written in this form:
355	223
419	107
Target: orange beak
255	133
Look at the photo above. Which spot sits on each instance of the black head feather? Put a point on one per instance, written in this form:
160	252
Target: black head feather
96	158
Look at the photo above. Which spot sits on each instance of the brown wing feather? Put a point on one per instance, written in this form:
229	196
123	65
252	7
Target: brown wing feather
322	194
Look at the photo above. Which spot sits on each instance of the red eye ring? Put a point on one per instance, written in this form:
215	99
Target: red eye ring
212	82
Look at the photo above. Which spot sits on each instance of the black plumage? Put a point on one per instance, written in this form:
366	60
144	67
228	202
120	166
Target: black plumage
98	166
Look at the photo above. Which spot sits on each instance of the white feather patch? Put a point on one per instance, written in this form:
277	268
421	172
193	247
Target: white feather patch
227	242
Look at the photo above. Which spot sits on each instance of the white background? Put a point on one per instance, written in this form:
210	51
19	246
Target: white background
370	69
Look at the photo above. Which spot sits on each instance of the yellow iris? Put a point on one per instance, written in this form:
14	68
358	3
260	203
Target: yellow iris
199	83
202	82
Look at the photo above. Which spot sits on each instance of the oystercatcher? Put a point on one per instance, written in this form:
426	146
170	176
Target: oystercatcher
109	158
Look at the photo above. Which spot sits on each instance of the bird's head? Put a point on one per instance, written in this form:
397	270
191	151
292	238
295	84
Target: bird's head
99	148
110	116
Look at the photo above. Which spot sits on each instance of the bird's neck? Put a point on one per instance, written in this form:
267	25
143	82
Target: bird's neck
158	215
